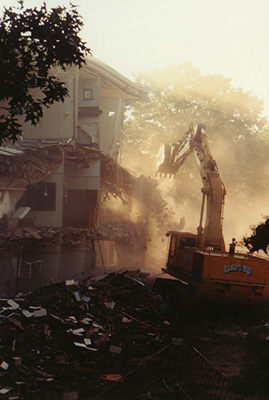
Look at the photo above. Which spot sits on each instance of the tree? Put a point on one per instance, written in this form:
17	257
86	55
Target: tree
32	43
180	94
259	239
236	130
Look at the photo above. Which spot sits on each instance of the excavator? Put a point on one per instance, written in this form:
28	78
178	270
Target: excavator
200	261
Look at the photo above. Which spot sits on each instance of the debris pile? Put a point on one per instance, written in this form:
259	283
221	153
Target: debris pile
72	337
46	236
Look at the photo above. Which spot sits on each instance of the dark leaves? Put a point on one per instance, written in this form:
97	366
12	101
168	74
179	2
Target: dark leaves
32	43
259	240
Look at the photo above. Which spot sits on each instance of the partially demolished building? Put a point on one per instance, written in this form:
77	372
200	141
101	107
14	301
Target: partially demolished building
51	182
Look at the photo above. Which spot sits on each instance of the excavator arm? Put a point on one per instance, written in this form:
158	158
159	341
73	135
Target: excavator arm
173	156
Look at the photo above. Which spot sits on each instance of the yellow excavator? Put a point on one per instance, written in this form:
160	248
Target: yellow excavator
200	260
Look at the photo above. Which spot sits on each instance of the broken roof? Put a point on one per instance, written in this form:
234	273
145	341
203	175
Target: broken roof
29	163
20	166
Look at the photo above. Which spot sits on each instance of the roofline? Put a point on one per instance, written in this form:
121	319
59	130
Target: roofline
105	71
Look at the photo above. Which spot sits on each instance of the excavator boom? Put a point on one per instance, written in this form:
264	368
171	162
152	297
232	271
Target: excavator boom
199	261
173	156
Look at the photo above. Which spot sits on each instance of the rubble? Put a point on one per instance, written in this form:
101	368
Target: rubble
68	339
111	337
46	236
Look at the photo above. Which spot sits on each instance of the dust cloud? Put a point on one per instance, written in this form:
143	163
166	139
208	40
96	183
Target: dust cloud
232	117
244	207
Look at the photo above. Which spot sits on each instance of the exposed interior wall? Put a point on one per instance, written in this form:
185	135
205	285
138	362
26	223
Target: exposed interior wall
9	198
28	268
80	199
5	204
77	261
38	267
53	216
80	207
83	178
8	270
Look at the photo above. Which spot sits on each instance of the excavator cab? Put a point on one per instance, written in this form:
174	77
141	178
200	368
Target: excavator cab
178	241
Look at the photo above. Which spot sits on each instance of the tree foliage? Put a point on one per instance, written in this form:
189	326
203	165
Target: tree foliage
259	239
236	130
179	95
32	43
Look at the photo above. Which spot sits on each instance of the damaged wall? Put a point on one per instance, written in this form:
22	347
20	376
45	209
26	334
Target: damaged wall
68	196
47	203
6	204
59	168
60	228
8	271
37	267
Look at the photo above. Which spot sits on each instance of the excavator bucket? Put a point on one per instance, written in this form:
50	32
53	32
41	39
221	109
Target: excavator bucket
166	165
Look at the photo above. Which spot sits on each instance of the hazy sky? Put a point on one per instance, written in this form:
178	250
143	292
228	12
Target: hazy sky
224	37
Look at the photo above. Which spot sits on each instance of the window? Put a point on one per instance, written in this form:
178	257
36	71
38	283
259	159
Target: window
172	245
87	94
39	197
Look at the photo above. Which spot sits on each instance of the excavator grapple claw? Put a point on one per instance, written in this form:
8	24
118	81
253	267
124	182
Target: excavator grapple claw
166	166
166	170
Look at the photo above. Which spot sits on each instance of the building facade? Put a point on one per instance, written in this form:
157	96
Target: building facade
60	189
